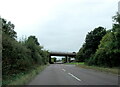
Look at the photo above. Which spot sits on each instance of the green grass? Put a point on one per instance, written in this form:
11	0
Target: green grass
76	63
24	78
96	68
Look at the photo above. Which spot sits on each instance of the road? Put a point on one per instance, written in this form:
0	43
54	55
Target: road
61	74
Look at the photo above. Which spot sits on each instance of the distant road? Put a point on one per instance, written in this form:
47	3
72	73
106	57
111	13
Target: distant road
61	74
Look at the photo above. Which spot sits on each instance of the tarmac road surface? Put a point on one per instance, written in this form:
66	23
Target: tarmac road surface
61	74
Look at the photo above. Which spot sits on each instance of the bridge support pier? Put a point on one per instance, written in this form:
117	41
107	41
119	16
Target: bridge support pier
50	59
67	59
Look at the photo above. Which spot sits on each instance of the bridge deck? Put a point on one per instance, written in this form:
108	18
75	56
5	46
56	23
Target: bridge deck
62	54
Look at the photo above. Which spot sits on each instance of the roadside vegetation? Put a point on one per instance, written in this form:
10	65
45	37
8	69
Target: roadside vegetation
102	46
24	77
113	70
20	57
53	60
76	63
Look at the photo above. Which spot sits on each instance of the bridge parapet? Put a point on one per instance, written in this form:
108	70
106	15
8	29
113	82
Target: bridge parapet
62	54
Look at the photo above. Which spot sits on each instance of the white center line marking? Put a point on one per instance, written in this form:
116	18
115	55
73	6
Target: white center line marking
63	69
74	77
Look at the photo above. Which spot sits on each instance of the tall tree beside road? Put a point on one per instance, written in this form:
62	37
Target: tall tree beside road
8	29
101	47
91	44
108	53
19	57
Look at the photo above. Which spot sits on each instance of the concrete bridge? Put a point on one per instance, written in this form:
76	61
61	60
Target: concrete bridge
67	55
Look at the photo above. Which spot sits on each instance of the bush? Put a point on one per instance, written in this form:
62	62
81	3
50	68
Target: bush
108	53
20	56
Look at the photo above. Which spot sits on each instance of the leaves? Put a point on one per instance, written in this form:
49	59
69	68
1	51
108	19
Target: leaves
8	29
91	44
101	47
20	56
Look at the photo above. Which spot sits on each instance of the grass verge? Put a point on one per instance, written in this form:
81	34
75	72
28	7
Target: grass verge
24	78
96	68
76	63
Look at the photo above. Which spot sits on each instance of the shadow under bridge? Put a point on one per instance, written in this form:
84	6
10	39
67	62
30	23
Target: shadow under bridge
67	55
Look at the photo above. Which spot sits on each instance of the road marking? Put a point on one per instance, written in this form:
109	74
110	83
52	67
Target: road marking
63	69
74	77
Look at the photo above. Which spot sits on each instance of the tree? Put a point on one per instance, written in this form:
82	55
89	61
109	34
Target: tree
108	53
116	18
19	57
34	39
80	57
91	44
33	45
15	56
8	29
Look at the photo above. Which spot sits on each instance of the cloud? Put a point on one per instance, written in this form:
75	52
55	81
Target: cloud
60	25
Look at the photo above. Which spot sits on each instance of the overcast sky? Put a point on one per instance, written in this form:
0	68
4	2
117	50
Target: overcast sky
59	25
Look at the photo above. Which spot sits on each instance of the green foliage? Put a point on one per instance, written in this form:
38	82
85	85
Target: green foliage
80	57
53	59
15	56
20	56
91	44
101	47
8	28
63	60
34	39
45	56
116	18
105	53
108	53
32	44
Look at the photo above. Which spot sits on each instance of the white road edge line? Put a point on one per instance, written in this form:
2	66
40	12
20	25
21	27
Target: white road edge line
63	69
74	77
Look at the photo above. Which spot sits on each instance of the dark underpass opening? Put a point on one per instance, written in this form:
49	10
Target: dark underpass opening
66	57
